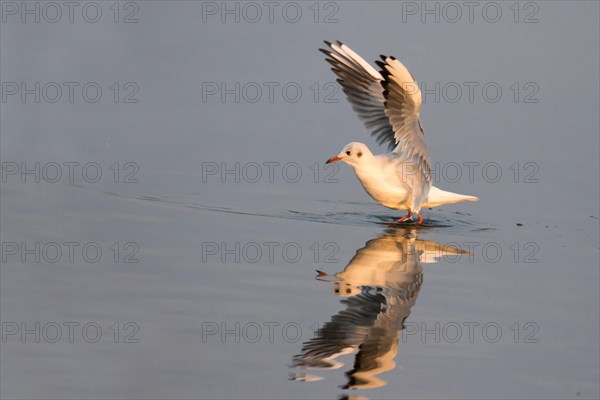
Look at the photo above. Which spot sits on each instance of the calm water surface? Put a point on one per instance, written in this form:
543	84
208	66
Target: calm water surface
217	257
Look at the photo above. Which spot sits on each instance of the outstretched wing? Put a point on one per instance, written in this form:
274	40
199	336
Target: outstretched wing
362	85
388	103
402	105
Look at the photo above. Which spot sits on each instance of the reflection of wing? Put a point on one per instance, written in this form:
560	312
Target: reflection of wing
371	324
380	285
377	352
343	334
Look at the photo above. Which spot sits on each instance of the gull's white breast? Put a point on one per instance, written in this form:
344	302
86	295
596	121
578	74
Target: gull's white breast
382	181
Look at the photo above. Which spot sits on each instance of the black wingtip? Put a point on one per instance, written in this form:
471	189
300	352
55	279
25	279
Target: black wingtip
331	61
337	42
385	73
326	52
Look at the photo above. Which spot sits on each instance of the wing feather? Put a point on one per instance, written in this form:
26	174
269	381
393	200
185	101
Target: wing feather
362	85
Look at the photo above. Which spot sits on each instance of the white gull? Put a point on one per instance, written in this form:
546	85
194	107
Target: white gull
388	102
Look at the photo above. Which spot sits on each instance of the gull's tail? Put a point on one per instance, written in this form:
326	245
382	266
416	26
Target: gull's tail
437	197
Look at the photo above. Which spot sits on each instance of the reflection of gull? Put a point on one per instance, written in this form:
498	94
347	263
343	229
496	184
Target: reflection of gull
380	286
389	103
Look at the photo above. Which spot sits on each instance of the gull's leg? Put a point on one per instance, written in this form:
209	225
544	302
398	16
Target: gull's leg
420	221
407	216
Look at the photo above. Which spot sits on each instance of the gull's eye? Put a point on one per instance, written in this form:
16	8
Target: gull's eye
348	152
359	154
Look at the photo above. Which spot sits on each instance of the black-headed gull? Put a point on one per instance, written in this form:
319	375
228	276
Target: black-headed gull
388	102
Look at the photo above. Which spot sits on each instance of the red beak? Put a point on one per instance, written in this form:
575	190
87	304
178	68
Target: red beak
333	159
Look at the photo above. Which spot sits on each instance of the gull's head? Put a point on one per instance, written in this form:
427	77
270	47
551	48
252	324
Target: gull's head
353	154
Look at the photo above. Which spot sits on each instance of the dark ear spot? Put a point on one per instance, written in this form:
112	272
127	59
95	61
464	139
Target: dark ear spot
359	154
